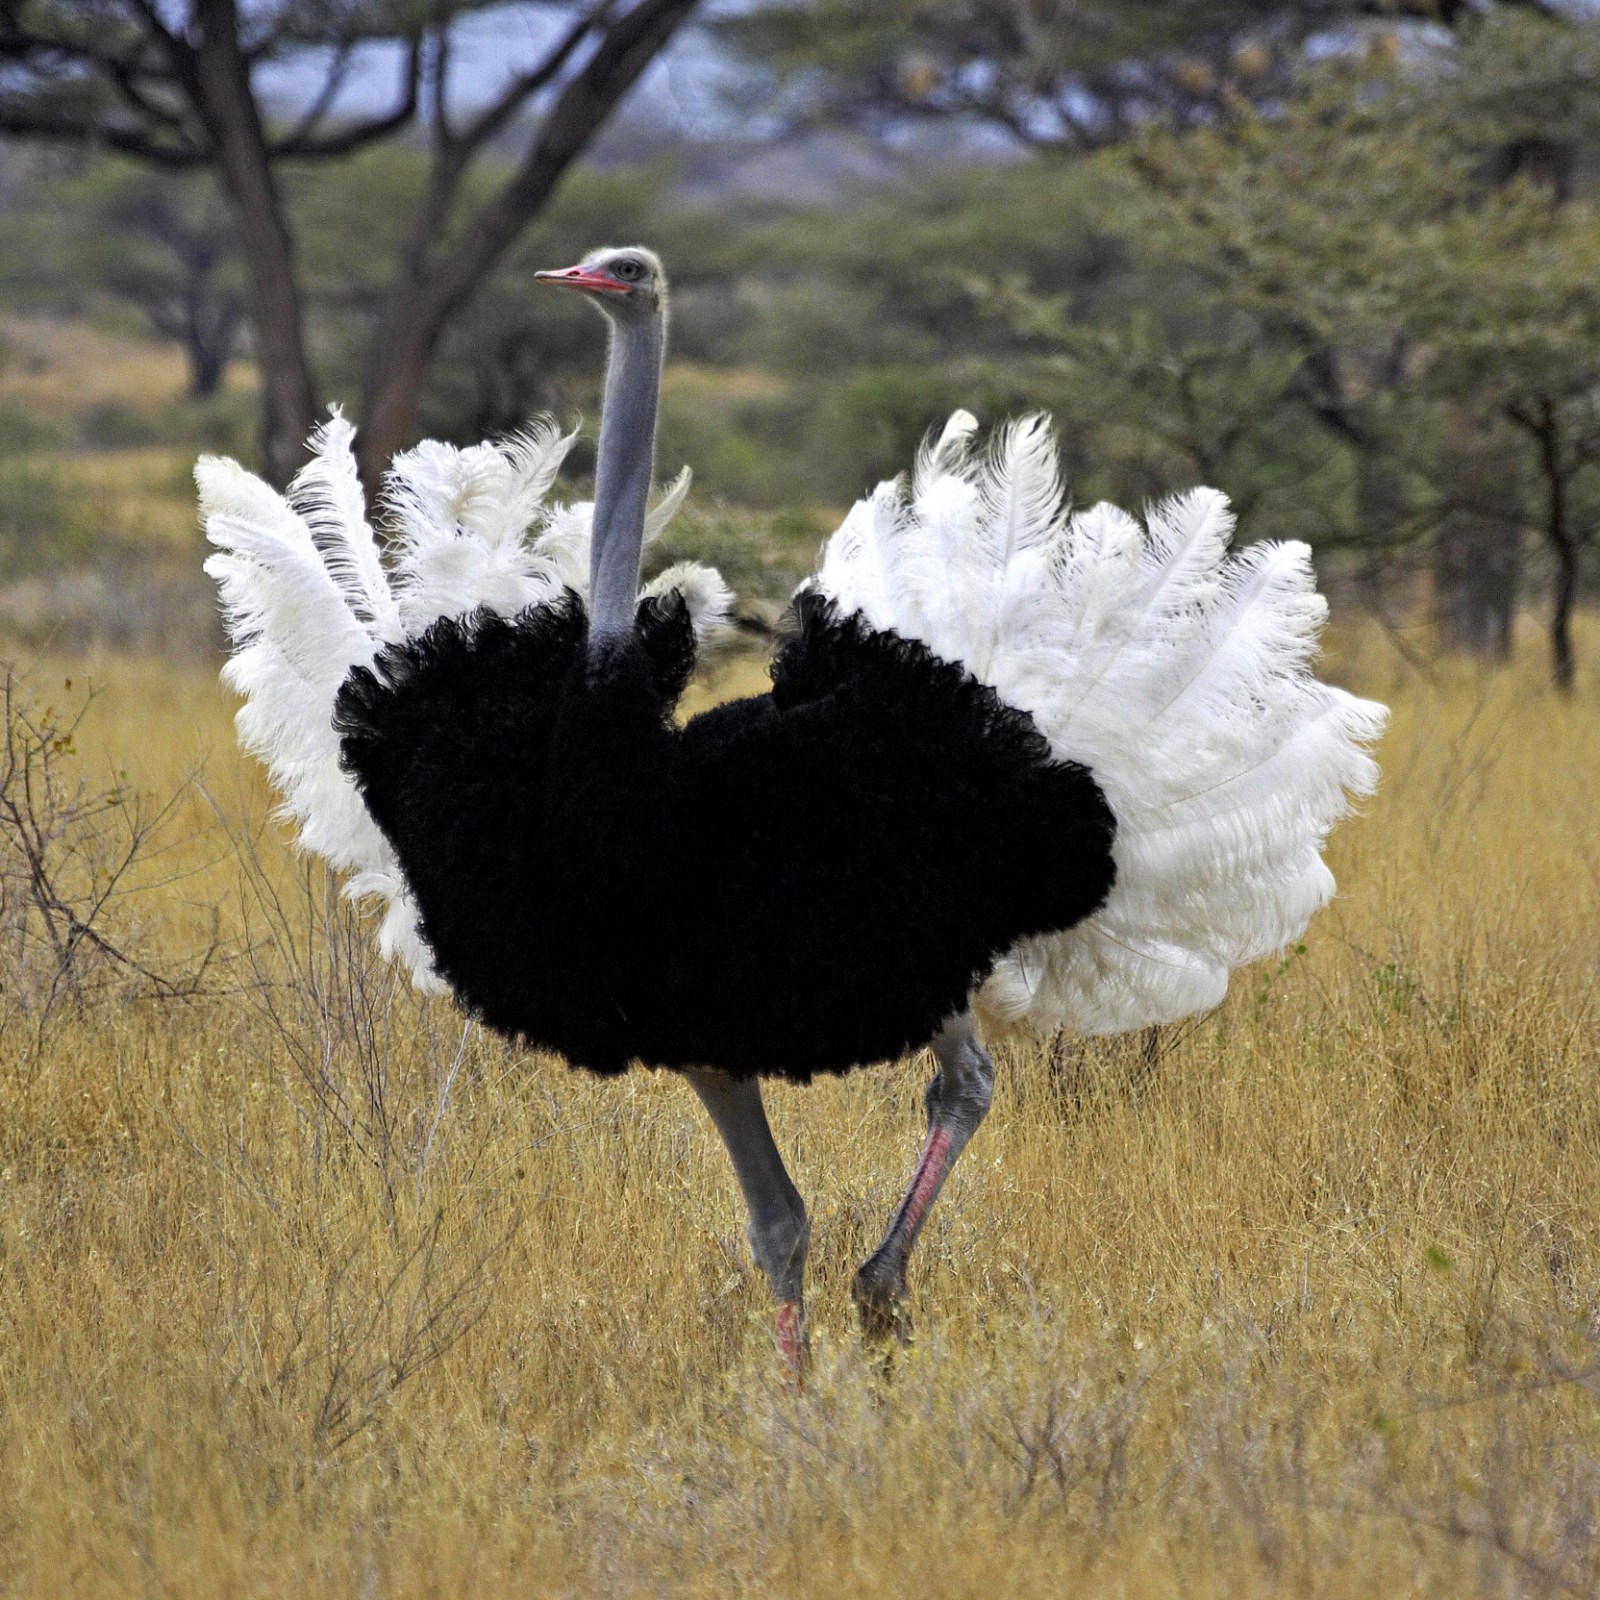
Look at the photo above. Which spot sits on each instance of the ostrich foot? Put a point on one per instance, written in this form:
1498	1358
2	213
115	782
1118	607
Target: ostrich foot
879	1291
957	1102
779	1233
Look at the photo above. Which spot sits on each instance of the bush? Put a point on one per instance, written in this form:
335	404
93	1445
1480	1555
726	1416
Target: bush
23	429
869	428
224	422
71	849
738	430
762	556
44	520
115	425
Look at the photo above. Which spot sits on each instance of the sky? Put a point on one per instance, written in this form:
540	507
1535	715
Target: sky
492	45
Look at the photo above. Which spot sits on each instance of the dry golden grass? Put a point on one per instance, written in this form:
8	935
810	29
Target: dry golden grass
62	368
147	496
98	534
305	1289
60	373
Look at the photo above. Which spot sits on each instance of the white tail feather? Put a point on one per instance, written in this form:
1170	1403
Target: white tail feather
1180	675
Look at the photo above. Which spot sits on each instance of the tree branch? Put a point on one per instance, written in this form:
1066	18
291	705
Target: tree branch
424	294
126	84
85	129
338	71
348	140
629	46
516	94
155	25
439	107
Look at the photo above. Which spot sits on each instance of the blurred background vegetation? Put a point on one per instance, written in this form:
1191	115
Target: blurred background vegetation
1339	259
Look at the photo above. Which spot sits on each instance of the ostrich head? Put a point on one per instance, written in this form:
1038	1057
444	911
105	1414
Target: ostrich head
630	288
627	285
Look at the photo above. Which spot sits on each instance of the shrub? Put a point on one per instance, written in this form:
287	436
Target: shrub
44	519
23	429
116	425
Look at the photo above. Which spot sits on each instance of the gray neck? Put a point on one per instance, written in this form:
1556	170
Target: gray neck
624	468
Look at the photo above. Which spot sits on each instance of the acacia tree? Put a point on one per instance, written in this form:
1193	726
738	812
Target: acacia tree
1059	76
1361	228
167	245
1062	75
1506	301
1299	186
178	86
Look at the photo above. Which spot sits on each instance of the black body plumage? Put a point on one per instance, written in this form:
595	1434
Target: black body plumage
799	882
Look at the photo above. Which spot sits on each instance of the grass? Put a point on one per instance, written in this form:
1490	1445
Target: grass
117	402
99	542
304	1286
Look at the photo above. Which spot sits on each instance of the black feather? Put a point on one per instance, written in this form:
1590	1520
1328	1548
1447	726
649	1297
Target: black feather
795	883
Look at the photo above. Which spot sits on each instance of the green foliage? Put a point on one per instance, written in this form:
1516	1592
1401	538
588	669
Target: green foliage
878	416
762	555
1149	406
162	243
1398	990
1075	76
1521	79
739	431
1350	298
1325	299
45	521
115	425
811	349
22	429
224	422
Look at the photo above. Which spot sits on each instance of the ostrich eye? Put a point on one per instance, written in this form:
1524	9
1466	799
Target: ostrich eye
629	271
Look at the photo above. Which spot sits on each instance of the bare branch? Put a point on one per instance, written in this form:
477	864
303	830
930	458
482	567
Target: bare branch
516	94
337	74
153	21
126	83
629	46
68	129
439	107
355	137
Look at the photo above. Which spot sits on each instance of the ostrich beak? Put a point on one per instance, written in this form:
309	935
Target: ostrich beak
582	278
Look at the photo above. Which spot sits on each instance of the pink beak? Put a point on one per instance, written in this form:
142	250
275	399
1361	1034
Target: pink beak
581	278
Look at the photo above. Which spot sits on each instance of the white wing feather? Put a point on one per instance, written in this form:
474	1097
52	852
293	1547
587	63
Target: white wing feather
327	495
1179	674
307	596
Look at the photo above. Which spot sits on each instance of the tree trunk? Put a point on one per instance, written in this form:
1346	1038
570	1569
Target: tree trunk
207	363
209	332
1477	565
1477	570
1558	530
393	392
288	403
1563	667
425	295
1381	507
206	334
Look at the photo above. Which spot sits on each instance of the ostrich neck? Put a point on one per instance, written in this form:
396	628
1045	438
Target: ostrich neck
624	467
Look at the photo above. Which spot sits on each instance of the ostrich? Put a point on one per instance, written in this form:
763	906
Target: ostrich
1016	767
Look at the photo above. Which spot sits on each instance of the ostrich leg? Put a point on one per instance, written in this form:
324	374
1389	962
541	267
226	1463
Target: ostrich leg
957	1100
779	1233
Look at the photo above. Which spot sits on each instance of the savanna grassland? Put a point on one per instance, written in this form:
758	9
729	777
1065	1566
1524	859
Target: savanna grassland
307	1288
